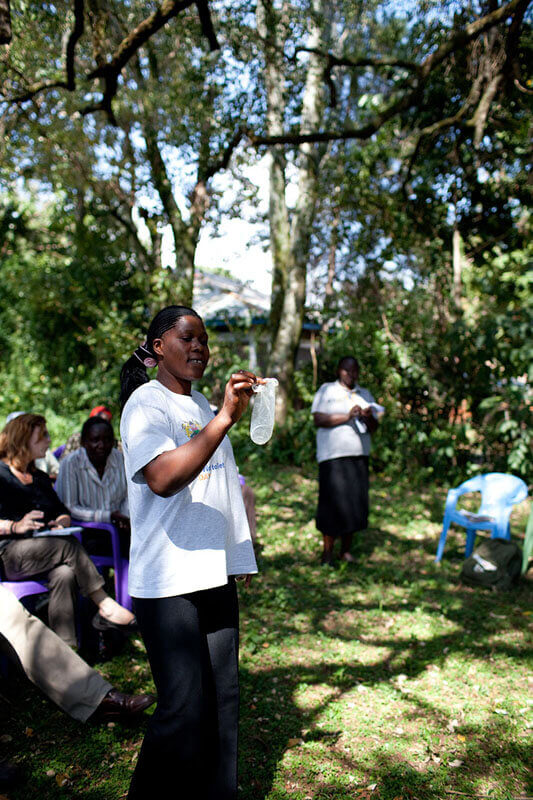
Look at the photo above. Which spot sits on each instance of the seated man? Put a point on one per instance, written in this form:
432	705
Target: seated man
57	670
92	482
73	443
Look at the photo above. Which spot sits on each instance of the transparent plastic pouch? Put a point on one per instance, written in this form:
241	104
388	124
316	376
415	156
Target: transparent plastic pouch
263	411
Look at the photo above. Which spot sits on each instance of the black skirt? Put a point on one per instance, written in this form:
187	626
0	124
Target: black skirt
342	495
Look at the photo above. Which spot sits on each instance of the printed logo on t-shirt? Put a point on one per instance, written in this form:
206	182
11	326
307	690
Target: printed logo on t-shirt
208	470
192	428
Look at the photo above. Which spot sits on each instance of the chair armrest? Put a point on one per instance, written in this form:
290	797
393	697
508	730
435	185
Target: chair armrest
452	498
103	526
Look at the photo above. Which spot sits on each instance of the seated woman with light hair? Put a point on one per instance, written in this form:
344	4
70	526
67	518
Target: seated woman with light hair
28	504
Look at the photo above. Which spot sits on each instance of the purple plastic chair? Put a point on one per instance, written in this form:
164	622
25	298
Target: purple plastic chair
25	588
120	565
58	452
20	589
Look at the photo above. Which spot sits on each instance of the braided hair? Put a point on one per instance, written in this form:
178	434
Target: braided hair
133	373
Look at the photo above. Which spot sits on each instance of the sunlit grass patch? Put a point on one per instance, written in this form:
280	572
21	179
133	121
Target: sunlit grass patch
385	680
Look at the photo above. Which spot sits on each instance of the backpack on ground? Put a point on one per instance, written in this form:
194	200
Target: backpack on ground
495	564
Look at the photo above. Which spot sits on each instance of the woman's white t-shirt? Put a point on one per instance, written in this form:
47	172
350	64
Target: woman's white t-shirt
348	439
196	538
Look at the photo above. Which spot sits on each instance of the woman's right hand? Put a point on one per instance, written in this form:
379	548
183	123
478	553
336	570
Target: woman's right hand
32	521
238	393
355	411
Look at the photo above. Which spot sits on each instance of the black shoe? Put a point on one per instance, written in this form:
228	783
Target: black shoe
116	704
102	624
326	559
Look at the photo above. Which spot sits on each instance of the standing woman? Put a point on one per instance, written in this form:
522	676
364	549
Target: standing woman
189	540
345	421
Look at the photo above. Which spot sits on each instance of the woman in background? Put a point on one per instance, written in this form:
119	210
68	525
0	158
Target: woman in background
345	420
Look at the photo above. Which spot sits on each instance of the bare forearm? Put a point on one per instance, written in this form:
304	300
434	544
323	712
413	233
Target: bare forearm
330	420
6	527
172	471
371	423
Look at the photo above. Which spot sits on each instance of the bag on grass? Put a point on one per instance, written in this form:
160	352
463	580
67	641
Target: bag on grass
495	564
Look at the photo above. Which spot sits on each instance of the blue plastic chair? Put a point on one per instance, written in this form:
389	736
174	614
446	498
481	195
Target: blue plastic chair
499	493
120	565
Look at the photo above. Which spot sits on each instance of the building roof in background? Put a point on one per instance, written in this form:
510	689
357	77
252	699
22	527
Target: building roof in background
219	298
222	301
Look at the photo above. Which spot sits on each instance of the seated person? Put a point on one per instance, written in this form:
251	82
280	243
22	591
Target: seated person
28	503
92	483
49	462
59	672
74	441
248	496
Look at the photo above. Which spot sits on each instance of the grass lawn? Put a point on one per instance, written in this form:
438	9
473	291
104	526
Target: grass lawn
385	679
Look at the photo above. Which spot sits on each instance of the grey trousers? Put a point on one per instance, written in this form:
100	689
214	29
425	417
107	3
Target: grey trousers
48	662
67	568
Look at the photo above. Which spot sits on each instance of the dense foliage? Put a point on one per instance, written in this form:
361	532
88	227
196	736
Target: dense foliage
417	256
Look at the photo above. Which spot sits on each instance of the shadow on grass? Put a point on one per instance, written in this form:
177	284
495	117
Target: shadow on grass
294	598
385	559
94	758
489	752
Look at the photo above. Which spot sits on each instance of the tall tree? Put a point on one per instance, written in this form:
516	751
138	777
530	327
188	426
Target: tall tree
381	77
290	231
150	162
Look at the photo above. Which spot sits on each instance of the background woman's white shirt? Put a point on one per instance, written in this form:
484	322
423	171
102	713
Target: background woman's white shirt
198	537
342	440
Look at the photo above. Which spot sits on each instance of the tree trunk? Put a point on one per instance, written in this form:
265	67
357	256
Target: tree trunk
185	237
5	22
457	267
290	243
177	286
274	76
332	267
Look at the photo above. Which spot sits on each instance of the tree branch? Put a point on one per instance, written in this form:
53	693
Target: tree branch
423	70
207	24
479	119
5	22
364	132
75	34
521	88
224	159
471	31
345	61
139	36
32	92
110	71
